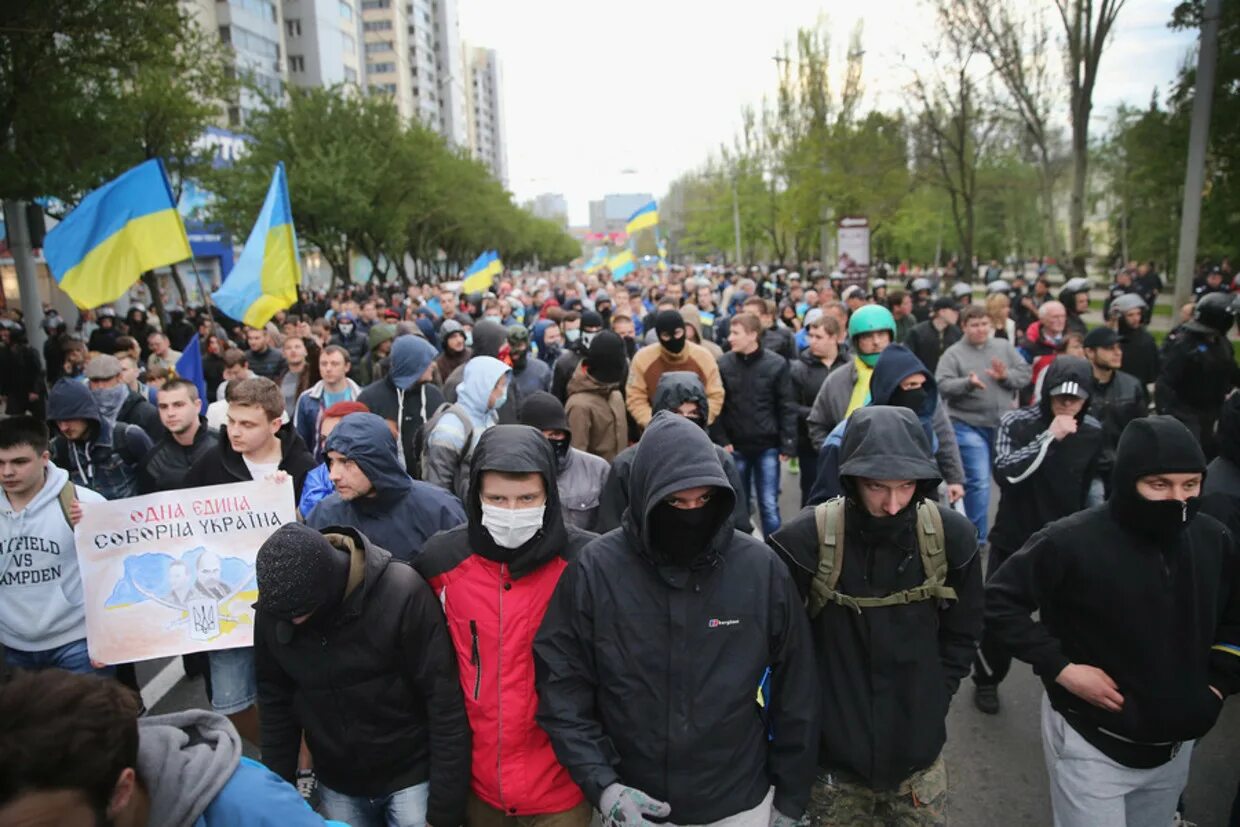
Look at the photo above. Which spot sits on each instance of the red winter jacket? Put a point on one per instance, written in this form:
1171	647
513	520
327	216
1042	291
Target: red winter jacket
492	619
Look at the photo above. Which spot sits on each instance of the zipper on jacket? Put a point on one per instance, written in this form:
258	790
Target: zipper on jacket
499	695
475	658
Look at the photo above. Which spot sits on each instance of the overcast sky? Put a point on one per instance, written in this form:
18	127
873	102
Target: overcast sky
623	97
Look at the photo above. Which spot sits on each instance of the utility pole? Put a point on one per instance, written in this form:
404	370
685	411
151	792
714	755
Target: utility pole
1198	138
736	219
27	275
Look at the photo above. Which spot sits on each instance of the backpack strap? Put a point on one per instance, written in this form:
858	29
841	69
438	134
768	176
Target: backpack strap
829	519
68	493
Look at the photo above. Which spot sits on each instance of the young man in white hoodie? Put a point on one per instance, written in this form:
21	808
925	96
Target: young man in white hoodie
42	615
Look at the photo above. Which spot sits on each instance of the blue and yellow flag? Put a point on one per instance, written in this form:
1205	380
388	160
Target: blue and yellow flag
481	274
118	232
596	261
621	264
189	367
268	273
647	216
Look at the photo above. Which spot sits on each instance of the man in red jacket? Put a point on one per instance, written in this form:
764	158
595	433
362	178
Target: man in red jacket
495	576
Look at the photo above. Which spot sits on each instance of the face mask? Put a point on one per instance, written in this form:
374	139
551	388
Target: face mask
518	359
346	329
493	319
869	359
674	345
110	400
914	399
561	447
499	403
679	535
469	339
630	346
588	337
512	527
551	352
572	335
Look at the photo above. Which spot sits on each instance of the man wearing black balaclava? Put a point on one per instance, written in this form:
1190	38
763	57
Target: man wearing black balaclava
1137	640
357	640
671	352
654	643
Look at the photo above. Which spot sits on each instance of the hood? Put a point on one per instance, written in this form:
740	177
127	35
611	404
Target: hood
520	449
672	455
678	387
367	563
692	318
185	759
896	364
887	443
366	439
411	356
583	382
379	334
489	337
538	333
1229	429
1150	445
73	400
480	375
1065	369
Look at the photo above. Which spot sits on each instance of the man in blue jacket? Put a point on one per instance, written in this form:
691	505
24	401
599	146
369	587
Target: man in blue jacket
376	496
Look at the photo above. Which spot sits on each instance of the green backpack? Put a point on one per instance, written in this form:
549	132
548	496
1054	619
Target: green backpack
829	517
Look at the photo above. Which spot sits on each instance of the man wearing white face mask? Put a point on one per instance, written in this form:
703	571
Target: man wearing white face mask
494	577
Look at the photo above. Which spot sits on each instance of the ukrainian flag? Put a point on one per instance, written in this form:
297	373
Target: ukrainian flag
481	274
266	276
621	264
118	232
647	216
596	261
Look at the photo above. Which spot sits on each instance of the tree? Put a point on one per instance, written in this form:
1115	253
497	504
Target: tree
1087	26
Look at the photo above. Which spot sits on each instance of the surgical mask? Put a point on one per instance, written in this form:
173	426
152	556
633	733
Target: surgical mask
512	527
572	335
495	319
110	401
346	329
499	403
469	339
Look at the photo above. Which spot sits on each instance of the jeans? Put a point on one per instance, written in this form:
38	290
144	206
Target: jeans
759	472
72	657
975	448
234	686
403	808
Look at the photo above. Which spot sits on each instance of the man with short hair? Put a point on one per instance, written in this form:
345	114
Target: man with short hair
1137	640
901	306
930	339
264	360
515	536
99	452
42	618
77	753
807	372
980	377
1116	397
162	354
186	438
893	586
103	374
673	352
295	354
334	386
653	648
375	495
759	420
1044	339
258	445
352	654
1046	462
775	338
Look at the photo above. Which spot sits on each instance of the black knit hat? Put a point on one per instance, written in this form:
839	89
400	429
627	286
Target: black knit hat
605	360
298	571
543	411
668	321
591	320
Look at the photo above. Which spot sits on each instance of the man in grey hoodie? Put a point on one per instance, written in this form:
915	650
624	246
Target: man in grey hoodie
75	752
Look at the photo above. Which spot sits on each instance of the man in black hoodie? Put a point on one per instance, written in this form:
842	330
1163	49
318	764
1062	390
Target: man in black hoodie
888	668
1047	459
352	651
654	646
258	445
1138	636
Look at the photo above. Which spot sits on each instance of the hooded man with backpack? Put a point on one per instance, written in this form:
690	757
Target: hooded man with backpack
98	452
406	397
455	429
894	591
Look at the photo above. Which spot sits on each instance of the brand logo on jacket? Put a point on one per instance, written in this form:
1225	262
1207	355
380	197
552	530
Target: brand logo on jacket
715	623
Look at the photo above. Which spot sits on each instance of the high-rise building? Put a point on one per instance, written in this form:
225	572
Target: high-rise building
552	206
486	117
386	38
323	41
254	29
611	214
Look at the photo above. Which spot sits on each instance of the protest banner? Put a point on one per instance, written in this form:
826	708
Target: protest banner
173	573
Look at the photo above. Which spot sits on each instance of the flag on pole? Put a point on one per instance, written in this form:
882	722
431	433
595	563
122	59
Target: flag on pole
621	264
189	368
596	261
647	216
117	232
481	274
266	276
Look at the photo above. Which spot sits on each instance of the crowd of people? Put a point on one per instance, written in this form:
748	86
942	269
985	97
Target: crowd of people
540	571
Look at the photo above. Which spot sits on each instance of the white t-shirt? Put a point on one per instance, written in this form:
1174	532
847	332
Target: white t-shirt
261	470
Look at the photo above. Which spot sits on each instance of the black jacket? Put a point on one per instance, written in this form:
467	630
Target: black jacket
1198	371
889	673
225	465
564	368
138	411
780	341
420	402
1043	479
647	671
1141	357
1114	405
373	685
807	373
758	410
1144	605
1220	496
167	465
928	344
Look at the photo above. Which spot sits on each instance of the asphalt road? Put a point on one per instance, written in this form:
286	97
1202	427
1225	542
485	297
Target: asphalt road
996	771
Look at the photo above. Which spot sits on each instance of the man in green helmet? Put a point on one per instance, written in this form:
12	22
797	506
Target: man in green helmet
870	330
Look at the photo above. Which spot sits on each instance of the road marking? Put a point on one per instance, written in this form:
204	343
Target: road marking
160	685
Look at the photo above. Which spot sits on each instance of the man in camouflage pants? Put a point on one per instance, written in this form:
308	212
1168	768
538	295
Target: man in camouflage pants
894	592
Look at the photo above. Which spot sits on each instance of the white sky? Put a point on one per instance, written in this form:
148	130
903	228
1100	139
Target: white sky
623	97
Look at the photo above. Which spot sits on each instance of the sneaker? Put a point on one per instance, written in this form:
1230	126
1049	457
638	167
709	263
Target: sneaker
1179	821
308	786
794	466
986	698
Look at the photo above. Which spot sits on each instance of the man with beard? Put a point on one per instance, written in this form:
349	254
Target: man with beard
653	648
